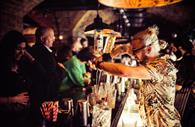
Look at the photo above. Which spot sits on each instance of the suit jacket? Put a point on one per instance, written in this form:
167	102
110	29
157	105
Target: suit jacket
48	75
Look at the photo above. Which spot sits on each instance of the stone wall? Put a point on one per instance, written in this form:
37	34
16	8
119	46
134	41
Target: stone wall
12	12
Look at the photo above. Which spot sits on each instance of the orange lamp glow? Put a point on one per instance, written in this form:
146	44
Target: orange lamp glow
137	3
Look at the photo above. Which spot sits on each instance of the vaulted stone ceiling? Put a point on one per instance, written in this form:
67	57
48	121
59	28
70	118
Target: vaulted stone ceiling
72	16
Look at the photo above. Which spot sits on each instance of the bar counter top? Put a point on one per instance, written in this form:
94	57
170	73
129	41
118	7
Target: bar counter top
64	120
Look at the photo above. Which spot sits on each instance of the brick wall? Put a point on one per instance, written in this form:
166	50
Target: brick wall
12	12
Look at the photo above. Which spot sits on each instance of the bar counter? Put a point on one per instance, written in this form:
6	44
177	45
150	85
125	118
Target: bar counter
65	120
117	111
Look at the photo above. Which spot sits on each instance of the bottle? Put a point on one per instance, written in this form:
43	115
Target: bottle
99	43
123	79
131	100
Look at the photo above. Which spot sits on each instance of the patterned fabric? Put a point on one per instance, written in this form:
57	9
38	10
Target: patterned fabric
159	95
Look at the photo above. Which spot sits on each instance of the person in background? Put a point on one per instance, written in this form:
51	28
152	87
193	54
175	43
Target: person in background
158	79
86	57
75	44
185	100
84	42
14	91
75	66
89	65
185	66
77	77
171	52
48	76
64	54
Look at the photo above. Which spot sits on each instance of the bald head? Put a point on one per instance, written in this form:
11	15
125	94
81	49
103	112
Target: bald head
45	35
41	31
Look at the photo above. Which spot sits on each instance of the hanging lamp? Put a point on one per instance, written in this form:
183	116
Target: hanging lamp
133	4
98	23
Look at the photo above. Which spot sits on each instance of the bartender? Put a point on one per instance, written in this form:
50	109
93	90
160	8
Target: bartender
158	77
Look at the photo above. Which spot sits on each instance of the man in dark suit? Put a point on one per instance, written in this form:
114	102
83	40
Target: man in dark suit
48	77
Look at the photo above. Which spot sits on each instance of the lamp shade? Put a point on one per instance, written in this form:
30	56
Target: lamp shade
97	24
137	3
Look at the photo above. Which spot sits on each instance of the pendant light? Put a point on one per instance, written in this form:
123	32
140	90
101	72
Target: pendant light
137	3
98	23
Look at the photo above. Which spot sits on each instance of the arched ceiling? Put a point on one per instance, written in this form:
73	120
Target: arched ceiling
67	16
76	14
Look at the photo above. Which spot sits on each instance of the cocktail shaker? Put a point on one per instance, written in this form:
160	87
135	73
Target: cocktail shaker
68	105
83	108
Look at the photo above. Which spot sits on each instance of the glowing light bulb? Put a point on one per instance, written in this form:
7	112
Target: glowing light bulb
121	11
61	37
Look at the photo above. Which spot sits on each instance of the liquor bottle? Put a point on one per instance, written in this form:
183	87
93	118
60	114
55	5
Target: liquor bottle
99	42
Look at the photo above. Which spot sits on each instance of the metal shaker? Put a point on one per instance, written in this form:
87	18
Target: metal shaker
68	105
83	108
